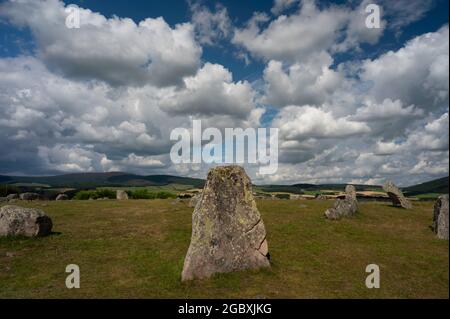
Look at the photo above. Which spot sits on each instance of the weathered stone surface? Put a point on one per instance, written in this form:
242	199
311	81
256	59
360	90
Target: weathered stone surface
344	207
333	214
29	196
62	197
20	221
121	194
194	200
12	196
228	233
396	195
440	217
350	192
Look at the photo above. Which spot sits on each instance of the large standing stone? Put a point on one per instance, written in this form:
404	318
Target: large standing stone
396	195
440	217
20	221
121	194
344	207
29	196
228	233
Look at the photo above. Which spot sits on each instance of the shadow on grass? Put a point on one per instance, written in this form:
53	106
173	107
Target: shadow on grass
26	238
398	207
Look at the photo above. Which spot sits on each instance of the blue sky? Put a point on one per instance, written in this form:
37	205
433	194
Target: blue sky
351	104
13	41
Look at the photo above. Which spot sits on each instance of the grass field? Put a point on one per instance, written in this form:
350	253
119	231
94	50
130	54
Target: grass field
136	248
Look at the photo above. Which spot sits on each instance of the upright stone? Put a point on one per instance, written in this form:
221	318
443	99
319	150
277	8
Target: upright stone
62	197
21	221
350	192
396	195
344	207
121	194
440	217
228	233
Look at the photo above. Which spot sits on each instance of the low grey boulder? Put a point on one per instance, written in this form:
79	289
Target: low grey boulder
440	217
29	196
121	195
396	196
12	197
342	208
21	221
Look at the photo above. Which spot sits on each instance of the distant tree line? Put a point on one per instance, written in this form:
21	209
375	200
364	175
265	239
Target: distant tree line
111	194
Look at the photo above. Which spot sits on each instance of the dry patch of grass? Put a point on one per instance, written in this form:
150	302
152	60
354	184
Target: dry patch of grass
136	248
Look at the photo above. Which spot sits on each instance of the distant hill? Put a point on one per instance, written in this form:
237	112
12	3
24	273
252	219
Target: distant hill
154	180
439	186
121	179
87	180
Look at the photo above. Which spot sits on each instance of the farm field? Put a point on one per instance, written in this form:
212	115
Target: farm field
136	249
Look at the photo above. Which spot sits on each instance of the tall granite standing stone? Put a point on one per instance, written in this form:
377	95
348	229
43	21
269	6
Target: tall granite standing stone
121	195
396	196
228	233
344	207
21	221
440	217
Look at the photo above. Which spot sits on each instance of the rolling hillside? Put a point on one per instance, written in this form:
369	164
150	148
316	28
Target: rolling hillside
120	179
439	186
87	180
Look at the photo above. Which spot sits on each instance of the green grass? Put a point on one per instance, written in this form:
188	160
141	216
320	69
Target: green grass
428	196
136	248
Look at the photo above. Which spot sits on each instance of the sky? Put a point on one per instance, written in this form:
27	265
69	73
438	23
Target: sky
352	104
